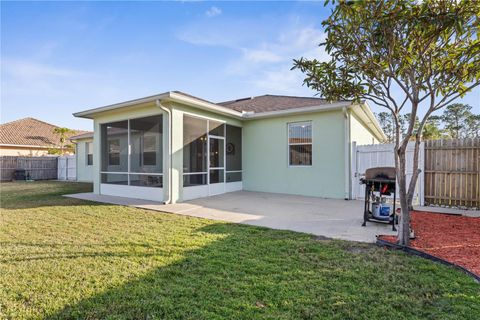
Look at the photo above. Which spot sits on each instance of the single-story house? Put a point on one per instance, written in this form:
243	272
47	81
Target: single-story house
31	137
173	147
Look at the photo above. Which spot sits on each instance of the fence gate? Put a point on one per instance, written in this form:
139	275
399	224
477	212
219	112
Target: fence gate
67	169
452	172
382	155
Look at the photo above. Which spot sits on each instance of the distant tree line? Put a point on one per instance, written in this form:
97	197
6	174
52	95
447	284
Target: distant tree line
457	122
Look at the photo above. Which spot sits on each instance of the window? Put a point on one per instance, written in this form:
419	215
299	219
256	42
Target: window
89	151
206	155
146	145
300	143
149	154
216	128
132	153
114	147
114	152
195	153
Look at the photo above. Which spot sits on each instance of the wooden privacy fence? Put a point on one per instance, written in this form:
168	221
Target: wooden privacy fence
38	168
452	172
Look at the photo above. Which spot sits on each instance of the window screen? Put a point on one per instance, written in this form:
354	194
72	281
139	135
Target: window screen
300	143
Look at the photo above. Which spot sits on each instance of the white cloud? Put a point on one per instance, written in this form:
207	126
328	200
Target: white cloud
266	66
213	11
26	80
277	80
264	57
260	55
29	70
296	42
281	80
228	33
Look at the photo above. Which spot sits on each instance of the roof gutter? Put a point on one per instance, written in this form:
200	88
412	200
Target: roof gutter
180	98
171	96
373	120
90	112
80	138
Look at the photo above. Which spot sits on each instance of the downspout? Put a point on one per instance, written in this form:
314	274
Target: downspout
170	148
76	160
347	165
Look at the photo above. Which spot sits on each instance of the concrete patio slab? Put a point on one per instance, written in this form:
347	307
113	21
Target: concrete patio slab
462	212
338	219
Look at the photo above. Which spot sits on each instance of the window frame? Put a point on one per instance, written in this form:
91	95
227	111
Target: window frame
200	173
208	136
88	144
309	122
241	157
128	173
110	153
142	147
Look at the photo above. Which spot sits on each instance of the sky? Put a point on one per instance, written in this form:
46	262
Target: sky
58	58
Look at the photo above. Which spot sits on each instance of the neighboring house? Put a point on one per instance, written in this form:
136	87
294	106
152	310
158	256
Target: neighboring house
29	137
174	147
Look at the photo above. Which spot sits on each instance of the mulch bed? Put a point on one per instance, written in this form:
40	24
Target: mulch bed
453	238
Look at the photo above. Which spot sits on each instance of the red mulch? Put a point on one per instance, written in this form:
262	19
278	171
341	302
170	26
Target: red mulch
450	237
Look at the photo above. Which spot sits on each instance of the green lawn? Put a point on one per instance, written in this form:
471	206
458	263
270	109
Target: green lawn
65	258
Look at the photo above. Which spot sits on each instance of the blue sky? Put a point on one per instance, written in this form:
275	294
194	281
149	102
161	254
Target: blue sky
62	57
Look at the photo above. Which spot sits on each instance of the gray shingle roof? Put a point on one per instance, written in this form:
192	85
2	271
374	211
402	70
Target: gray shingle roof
270	102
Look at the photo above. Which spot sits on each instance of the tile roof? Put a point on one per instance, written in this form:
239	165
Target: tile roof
31	132
270	102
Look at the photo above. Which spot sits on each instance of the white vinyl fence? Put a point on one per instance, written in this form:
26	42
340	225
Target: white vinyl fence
382	155
67	168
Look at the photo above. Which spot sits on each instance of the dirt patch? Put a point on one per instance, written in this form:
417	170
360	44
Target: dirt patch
450	237
322	238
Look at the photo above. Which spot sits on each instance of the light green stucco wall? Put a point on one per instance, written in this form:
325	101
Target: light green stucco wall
359	132
84	171
265	156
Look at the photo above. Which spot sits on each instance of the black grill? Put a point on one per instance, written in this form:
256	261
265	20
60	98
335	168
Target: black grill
379	182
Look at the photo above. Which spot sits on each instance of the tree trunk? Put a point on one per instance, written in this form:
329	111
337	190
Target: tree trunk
415	170
404	226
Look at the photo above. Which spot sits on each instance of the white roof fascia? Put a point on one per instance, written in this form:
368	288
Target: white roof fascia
180	98
367	116
167	96
81	138
88	113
